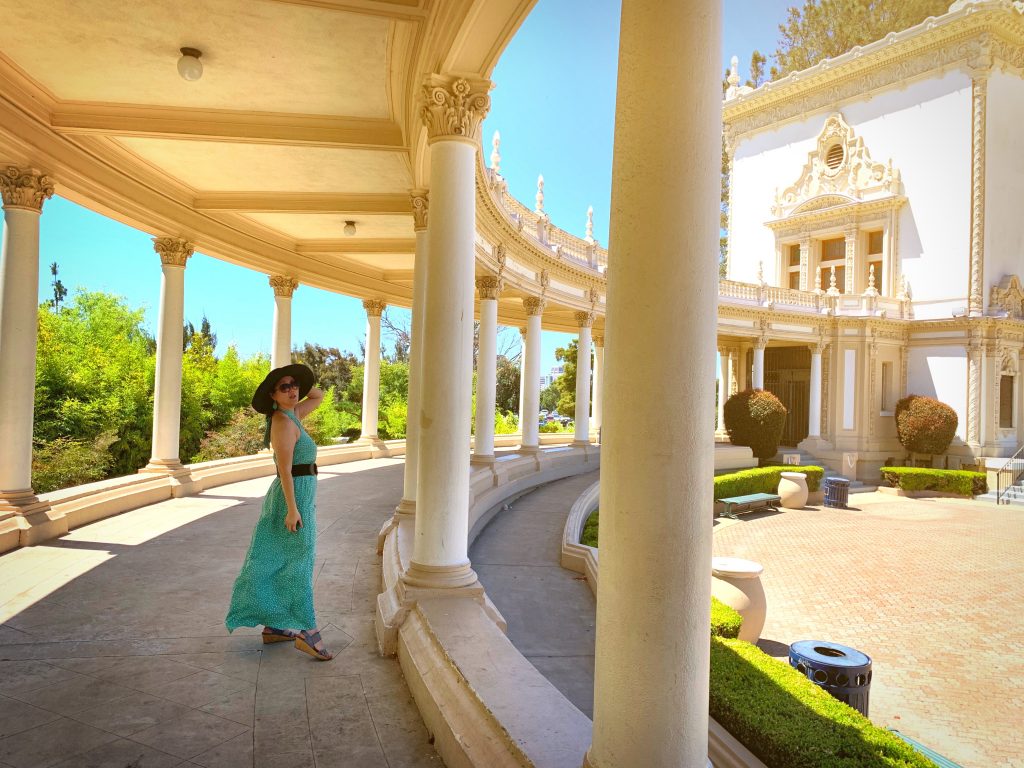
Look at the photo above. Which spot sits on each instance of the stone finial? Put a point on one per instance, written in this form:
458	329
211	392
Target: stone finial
760	273
25	188
489	287
817	281
584	319
534	305
495	154
283	285
590	224
374	307
173	251
734	71
833	290
539	208
871	291
420	208
454	107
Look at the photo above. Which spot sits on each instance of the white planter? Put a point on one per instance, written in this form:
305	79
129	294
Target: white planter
737	583
793	490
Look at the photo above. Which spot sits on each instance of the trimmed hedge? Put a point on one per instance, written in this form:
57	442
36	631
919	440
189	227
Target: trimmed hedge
589	535
755	418
725	621
789	722
945	480
763	480
925	425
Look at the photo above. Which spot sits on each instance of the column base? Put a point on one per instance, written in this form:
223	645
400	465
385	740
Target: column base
180	477
581	443
406	510
406	507
528	449
440	576
26	520
481	460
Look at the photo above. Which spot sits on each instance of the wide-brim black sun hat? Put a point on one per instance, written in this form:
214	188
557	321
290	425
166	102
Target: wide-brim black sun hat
262	400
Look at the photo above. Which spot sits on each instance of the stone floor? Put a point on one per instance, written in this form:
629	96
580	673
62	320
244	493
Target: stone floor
113	651
932	590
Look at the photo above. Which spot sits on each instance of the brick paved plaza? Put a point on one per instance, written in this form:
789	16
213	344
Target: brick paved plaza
931	589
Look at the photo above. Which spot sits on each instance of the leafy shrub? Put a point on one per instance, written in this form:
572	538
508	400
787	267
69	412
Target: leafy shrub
590	530
242	436
725	621
325	423
763	480
924	425
945	480
551	427
755	418
505	423
789	722
64	462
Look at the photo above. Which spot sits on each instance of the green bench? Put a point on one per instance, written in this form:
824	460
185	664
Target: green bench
735	505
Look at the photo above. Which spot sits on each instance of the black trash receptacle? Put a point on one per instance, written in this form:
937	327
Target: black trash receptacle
843	672
837	492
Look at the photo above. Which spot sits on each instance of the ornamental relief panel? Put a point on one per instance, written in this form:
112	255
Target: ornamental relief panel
1008	297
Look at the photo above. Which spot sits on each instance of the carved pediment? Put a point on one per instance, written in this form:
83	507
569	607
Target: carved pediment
1008	297
839	167
822	202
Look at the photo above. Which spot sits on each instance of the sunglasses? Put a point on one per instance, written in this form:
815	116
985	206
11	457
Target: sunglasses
284	386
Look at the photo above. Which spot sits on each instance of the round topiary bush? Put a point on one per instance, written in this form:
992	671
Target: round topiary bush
755	418
925	425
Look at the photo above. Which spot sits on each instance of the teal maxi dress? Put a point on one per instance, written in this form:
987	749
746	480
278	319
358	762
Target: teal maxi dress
275	587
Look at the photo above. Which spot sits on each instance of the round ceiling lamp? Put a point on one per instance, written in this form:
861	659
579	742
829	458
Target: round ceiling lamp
189	65
350	228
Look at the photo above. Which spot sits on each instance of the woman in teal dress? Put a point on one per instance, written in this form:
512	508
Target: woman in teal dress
275	587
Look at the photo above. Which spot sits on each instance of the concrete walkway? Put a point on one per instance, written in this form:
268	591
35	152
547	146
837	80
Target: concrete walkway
113	651
932	590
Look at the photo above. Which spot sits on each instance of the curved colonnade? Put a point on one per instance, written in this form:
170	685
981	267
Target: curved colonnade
478	696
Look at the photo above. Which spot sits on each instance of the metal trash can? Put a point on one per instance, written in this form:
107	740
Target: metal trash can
837	492
843	672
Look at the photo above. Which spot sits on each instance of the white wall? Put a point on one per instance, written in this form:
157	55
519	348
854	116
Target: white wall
1004	181
926	130
940	372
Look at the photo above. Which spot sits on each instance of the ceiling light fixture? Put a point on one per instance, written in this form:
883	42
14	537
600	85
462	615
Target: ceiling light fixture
350	228
189	65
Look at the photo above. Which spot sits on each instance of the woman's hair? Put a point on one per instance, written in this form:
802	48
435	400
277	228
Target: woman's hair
266	432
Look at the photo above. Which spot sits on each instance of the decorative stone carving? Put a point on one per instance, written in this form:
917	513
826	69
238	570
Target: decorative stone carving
489	287
374	307
283	285
1008	297
173	251
598	341
979	95
501	256
534	305
454	107
1008	364
974	351
545	281
25	188
585	319
420	208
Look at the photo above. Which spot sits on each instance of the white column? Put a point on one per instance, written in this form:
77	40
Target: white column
453	109
814	404
595	421
534	307
24	190
371	368
652	649
281	349
723	390
419	296
522	376
486	368
758	377
174	253
582	417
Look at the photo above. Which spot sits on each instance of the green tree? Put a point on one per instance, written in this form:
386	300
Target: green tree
331	368
507	396
548	400
59	291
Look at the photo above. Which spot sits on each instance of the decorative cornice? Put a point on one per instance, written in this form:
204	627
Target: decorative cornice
173	251
489	287
454	107
840	212
979	99
25	188
374	307
585	319
420	208
534	305
283	285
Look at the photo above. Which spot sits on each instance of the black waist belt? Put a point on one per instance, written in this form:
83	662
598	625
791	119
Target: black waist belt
302	470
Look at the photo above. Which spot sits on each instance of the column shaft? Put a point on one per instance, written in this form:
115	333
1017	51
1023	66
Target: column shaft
371	369
652	649
595	421
758	376
167	393
582	417
723	390
522	376
486	370
282	351
531	380
412	428
814	404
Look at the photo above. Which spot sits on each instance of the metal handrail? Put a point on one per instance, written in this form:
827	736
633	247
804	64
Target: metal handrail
1011	470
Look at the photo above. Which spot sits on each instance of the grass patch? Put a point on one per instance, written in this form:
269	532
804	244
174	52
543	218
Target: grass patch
945	480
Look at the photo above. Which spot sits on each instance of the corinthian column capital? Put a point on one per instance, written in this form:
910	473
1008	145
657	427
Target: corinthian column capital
25	188
599	341
585	319
454	107
173	251
283	285
488	286
420	208
534	305
374	307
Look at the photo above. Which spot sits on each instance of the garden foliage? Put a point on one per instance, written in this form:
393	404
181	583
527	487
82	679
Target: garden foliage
944	480
925	425
763	480
755	418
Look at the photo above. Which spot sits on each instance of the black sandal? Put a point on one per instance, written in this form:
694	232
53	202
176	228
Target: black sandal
274	635
307	641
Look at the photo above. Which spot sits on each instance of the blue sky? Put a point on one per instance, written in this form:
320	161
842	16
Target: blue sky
554	103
